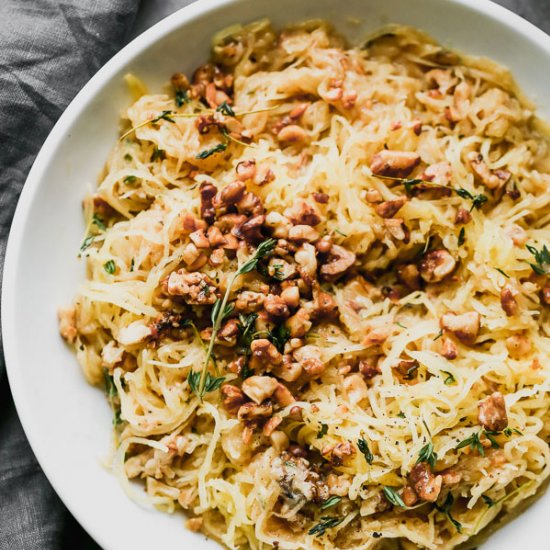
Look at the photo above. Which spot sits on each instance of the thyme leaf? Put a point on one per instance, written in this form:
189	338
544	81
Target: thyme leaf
225	109
473	442
324	524
363	446
165	115
109	266
542	259
446	510
331	501
322	430
392	496
428	455
182	98
450	378
209	152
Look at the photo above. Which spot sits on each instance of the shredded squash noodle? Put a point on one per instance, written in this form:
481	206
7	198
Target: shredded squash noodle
317	294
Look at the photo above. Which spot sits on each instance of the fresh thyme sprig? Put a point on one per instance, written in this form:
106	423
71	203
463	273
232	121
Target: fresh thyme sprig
477	200
542	259
169	116
221	311
324	524
446	510
428	455
363	446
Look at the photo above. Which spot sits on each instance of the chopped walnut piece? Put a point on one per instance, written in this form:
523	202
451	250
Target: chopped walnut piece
303	213
190	254
388	209
281	269
508	300
199	239
180	81
465	326
246	170
409	275
324	307
306	258
248	301
208	192
436	265
439	173
252	411
321	198
67	324
291	296
195	288
134	333
409	496
394	163
292	134
450	477
463	216
250	205
491	179
276	306
299	324
368	368
338	262
341	452
227	336
373	196
312	366
283	396
231	194
448	349
397	229
302	233
425	483
271	425
190	223
251	230
355	388
492	412
259	388
233	398
264	353
545	294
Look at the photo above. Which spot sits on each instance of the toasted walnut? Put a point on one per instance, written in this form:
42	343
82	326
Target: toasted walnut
190	254
409	496
306	258
67	324
394	163
450	477
338	262
518	235
134	333
373	196
324	245
312	366
180	81
250	205
195	288
508	300
545	294
283	396
463	216
190	223
231	193
302	233
518	346
264	352
292	134
208	192
448	349
259	388
491	179
355	388
252	411
248	301
397	229
227	336
276	307
280	269
234	398
279	224
439	173
492	413
369	369
388	209
341	452
279	440
436	265
291	296
321	198
303	213
251	230
409	275
199	239
289	371
246	170
323	307
425	483
299	324
465	326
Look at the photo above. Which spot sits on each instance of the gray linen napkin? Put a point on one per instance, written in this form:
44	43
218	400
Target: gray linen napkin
48	50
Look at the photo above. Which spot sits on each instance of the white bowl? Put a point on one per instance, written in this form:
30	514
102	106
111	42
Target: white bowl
68	422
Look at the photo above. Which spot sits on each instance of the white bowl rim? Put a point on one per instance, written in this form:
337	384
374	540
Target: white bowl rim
164	27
